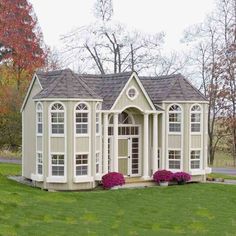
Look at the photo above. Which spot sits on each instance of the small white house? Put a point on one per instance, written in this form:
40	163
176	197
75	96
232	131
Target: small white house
76	128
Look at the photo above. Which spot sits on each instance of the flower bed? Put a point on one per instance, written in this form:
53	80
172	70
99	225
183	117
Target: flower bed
112	179
181	177
162	176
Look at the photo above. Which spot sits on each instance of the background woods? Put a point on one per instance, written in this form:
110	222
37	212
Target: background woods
106	46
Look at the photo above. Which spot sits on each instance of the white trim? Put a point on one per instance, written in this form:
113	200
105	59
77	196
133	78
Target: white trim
68	99
134	75
39	111
136	93
83	179
168	118
181	159
29	90
78	177
50	178
200	159
197	172
196	112
89	119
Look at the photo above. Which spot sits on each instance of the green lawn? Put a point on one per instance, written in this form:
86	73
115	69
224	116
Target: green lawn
223	176
193	209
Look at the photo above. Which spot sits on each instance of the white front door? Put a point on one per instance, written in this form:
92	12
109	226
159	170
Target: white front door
128	156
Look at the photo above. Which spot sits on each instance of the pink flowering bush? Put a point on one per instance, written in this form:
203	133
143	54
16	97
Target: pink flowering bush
181	177
162	176
112	179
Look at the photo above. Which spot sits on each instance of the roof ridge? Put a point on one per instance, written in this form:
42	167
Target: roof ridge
199	92
84	85
172	76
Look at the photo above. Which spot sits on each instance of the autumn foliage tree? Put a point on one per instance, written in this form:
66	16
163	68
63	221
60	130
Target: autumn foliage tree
20	37
21	53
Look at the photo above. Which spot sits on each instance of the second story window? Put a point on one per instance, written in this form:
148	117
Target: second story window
39	118
81	119
195	119
57	118
175	117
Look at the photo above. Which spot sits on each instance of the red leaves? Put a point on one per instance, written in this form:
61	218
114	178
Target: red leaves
20	34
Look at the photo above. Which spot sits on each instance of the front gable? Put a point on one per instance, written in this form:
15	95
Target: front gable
140	100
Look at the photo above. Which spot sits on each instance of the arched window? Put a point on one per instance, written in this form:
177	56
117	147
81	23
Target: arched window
39	118
98	108
195	118
123	119
81	118
57	118
175	117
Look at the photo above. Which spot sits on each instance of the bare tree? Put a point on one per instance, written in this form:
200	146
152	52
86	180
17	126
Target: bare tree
103	10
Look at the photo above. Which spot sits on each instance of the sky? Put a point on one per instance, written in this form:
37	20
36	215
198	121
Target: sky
58	17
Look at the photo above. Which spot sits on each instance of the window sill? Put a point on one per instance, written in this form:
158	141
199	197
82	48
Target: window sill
195	133
56	179
82	179
174	133
57	136
39	135
38	178
82	135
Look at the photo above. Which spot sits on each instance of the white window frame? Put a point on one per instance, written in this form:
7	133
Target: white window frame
97	163
51	165
38	163
88	119
136	93
199	159
98	119
196	122
58	123
77	165
39	112
175	122
180	160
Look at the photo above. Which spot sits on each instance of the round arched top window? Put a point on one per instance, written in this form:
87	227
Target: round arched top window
132	93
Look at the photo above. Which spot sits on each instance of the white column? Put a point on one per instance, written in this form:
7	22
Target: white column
105	143
155	143
145	148
115	142
163	146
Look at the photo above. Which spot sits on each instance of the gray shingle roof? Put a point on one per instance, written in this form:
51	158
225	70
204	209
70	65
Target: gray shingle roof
171	88
67	84
64	84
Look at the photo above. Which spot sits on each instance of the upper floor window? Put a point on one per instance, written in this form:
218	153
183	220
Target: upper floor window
195	118
57	118
81	118
175	117
98	108
39	118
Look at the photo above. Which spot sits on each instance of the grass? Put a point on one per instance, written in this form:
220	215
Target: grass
193	209
223	176
223	159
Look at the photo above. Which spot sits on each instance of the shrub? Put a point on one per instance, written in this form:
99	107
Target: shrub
112	179
162	176
181	177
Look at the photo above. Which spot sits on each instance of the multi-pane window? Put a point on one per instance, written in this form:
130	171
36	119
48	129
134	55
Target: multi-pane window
195	159
97	119
174	159
81	119
57	118
39	163
97	162
58	164
81	164
195	118
175	119
39	118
